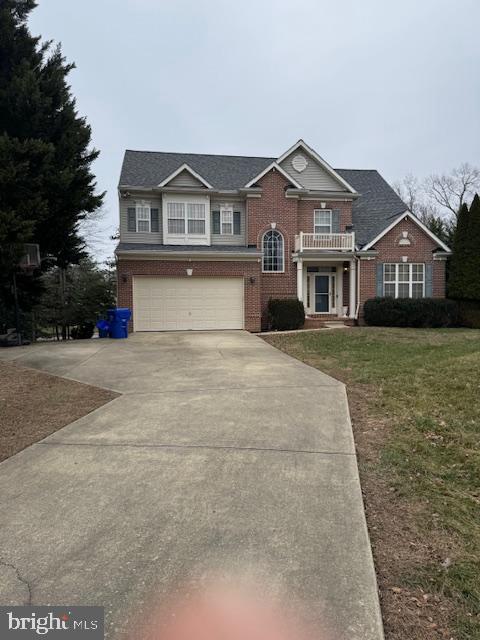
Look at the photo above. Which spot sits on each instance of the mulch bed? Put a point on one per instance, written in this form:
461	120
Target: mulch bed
34	404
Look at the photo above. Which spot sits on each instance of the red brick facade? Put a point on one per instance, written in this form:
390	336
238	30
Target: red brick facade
420	250
290	215
273	207
249	270
307	207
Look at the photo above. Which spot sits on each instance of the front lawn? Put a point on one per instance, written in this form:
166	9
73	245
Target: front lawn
415	401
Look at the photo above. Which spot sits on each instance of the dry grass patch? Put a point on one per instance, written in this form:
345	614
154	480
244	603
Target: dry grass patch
34	404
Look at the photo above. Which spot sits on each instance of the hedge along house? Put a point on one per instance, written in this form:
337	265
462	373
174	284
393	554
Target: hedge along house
207	240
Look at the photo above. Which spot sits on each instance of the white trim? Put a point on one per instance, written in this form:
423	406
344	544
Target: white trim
323	210
186	238
213	256
323	163
184	167
332	282
410	216
223	210
276	166
352	286
410	280
283	252
300	281
145	205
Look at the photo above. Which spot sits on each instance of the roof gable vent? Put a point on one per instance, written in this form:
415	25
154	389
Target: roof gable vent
299	163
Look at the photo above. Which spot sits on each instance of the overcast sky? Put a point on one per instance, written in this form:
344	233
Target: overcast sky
379	84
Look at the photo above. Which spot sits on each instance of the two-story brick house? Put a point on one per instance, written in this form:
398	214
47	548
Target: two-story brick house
207	240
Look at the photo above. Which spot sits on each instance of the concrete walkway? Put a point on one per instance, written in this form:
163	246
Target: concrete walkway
221	454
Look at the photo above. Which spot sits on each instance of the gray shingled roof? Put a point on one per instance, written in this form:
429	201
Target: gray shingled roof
377	206
149	168
374	210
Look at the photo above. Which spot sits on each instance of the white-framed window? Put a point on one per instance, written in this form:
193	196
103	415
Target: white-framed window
186	217
226	221
403	280
322	221
196	218
273	250
176	217
142	210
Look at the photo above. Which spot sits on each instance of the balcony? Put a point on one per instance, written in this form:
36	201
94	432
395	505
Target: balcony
325	242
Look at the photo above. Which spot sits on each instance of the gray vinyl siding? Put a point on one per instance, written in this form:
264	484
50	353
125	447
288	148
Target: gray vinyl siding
185	179
313	177
133	236
238	205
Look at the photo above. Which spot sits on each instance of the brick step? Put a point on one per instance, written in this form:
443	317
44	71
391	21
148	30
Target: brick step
331	322
314	323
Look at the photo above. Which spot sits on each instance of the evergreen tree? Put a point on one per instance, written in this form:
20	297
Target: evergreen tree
441	227
471	288
465	244
46	184
73	296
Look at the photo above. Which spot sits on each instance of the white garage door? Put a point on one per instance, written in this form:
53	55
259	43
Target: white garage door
181	304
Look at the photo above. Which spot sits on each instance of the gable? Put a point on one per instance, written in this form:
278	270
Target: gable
185	179
415	230
313	176
185	169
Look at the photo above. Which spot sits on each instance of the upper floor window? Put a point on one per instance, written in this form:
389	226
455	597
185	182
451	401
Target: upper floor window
404	280
322	221
186	218
176	217
196	218
226	222
272	245
142	213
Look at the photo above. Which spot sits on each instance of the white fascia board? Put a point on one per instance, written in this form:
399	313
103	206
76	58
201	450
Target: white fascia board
185	167
419	223
131	254
276	166
323	163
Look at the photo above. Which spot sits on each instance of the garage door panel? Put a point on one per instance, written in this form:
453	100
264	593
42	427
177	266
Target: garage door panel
176	304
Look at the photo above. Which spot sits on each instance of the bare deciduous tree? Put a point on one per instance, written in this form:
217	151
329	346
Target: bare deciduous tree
413	193
450	191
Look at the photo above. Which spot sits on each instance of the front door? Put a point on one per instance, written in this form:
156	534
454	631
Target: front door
322	293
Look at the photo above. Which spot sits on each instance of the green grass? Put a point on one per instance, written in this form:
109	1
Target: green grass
426	385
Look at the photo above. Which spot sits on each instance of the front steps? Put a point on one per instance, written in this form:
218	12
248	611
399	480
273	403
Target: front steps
331	322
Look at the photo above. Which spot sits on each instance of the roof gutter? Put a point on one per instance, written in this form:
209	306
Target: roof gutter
306	194
132	254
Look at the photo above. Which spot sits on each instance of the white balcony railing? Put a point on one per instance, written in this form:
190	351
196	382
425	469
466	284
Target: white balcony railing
325	241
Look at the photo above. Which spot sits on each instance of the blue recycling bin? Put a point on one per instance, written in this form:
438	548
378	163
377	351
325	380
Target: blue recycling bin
118	320
103	328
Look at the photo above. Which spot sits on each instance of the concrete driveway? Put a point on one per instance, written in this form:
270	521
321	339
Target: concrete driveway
222	454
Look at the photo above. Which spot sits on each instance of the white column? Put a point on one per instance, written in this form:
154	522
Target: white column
339	288
352	288
300	280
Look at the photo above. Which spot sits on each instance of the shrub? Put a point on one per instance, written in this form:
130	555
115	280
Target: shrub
285	314
469	311
411	312
82	331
